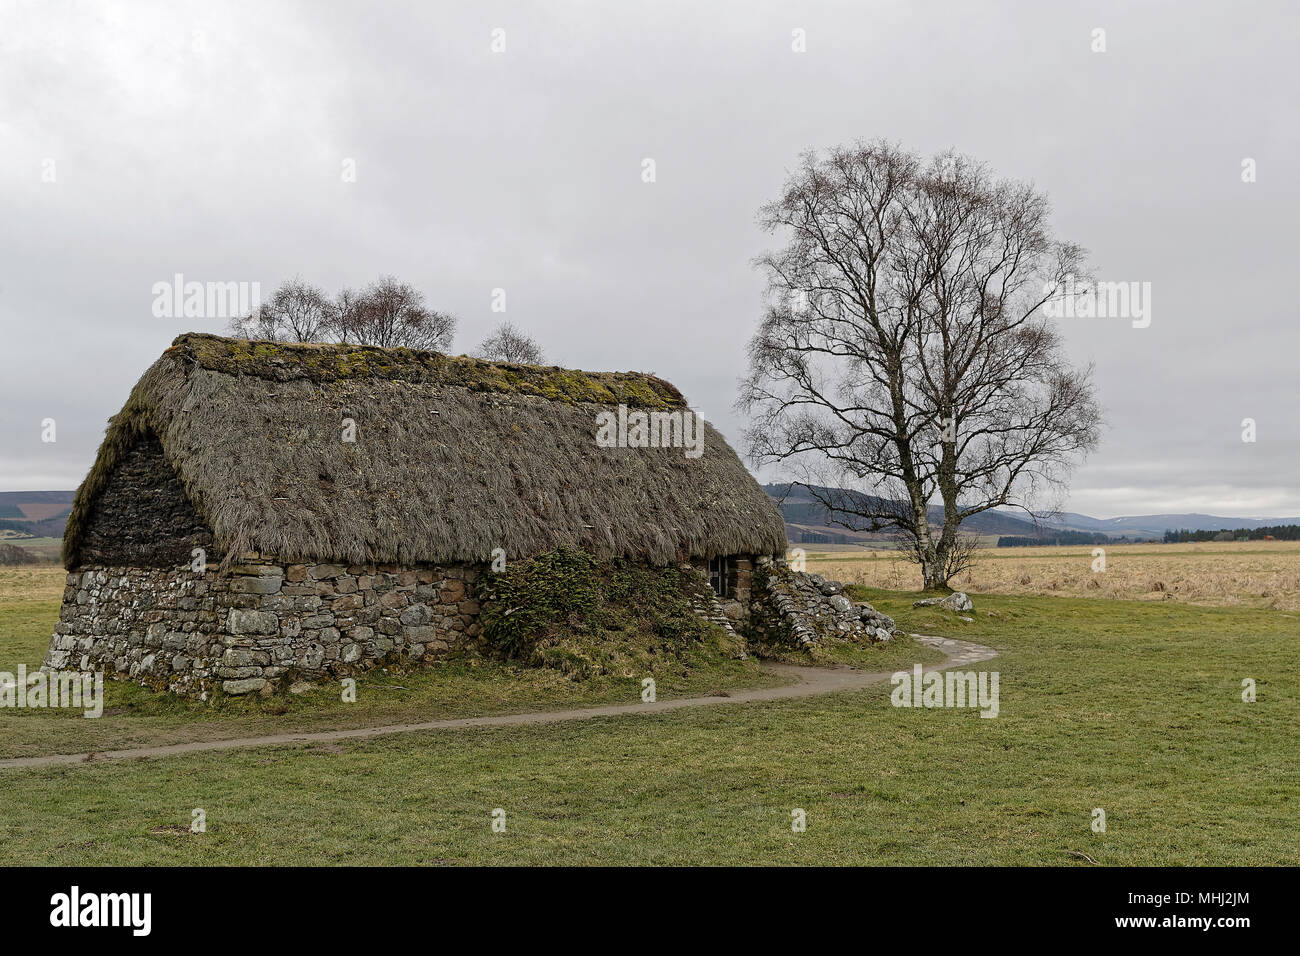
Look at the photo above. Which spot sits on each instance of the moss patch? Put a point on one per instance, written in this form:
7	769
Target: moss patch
566	610
287	361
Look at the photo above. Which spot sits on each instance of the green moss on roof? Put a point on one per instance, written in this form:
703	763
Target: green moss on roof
289	361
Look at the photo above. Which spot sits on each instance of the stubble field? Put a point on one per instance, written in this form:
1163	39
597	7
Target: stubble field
1254	574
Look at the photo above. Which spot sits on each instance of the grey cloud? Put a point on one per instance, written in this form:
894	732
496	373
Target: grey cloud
208	140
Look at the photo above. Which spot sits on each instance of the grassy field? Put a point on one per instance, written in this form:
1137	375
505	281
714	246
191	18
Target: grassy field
1133	707
1258	574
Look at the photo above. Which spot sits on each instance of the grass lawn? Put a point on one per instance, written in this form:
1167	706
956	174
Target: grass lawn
1133	707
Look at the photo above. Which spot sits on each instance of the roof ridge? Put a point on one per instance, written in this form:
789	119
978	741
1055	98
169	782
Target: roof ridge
333	362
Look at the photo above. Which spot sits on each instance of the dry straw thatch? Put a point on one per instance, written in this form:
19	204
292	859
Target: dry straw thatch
453	458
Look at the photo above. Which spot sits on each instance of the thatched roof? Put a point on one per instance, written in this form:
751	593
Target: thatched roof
453	457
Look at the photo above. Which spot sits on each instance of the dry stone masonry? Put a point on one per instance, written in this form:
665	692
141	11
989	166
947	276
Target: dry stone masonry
807	609
262	624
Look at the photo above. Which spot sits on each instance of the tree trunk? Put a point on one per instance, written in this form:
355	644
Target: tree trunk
930	554
932	569
926	553
947	482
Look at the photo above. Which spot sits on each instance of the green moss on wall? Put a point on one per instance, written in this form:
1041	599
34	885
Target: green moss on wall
568	611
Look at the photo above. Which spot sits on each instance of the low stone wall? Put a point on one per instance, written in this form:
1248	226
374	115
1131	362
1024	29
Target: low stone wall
805	609
260	624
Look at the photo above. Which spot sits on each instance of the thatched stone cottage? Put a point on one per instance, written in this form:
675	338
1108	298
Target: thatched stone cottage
261	512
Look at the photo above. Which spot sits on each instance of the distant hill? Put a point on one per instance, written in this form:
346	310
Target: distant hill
806	522
1157	525
35	514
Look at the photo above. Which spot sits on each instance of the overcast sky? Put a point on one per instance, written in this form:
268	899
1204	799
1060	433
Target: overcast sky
210	139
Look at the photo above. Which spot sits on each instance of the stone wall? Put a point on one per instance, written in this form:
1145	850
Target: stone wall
739	584
261	624
795	607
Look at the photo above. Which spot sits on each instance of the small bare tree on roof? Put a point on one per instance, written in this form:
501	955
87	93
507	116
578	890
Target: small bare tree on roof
508	344
296	312
389	314
904	353
385	313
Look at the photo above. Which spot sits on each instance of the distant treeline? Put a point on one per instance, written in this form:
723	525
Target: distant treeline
823	537
1283	532
1057	537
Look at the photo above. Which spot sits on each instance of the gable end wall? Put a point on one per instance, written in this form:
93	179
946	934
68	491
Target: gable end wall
143	518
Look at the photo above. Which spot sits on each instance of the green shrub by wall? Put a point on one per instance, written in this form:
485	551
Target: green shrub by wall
567	610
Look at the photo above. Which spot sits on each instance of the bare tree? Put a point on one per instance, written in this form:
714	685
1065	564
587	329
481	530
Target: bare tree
508	344
385	313
296	312
345	315
389	313
904	352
